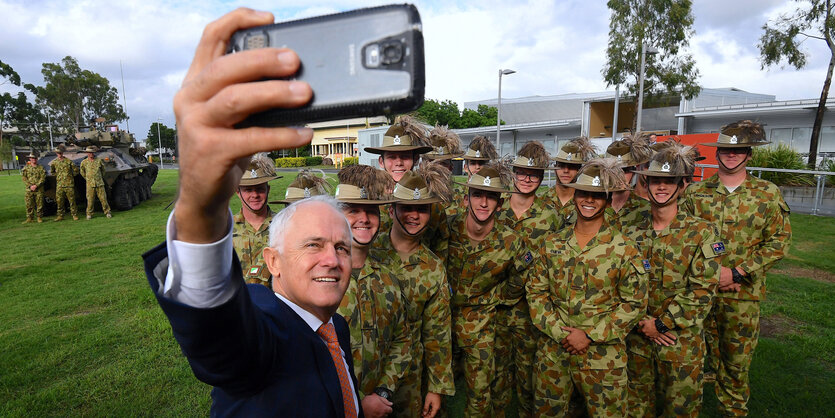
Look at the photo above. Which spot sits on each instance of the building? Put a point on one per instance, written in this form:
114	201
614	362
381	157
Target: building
338	139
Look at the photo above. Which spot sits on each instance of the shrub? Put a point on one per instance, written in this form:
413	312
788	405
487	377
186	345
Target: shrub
290	162
312	161
784	157
828	165
350	161
327	161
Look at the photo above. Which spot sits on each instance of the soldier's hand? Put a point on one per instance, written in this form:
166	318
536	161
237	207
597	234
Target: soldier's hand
666	339
726	277
576	342
432	405
218	92
375	406
33	187
733	287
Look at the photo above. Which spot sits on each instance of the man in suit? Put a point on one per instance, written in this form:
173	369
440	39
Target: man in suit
279	352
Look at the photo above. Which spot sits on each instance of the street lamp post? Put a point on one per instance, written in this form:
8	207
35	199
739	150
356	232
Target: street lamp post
644	51
159	138
499	111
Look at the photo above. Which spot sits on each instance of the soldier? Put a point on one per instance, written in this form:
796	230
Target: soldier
65	171
753	221
445	146
92	169
632	153
306	184
373	304
425	288
485	267
516	338
480	152
33	176
251	226
586	291
666	349
403	143
569	159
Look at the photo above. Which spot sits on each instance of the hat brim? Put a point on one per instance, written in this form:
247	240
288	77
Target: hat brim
435	157
466	158
428	201
564	161
744	145
397	148
590	188
255	182
531	167
486	188
365	201
655	174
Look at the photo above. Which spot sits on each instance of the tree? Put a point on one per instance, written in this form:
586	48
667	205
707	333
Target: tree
77	96
7	75
663	24
167	134
781	40
446	113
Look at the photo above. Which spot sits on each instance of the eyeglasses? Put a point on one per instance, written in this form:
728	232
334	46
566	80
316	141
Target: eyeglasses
734	150
527	176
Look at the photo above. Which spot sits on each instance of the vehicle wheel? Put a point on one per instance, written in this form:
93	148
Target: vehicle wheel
141	182
134	192
121	195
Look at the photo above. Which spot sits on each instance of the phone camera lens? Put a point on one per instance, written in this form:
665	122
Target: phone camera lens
392	53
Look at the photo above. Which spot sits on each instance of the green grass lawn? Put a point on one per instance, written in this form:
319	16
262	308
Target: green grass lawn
81	333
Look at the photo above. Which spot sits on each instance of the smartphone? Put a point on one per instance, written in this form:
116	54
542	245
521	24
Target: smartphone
364	62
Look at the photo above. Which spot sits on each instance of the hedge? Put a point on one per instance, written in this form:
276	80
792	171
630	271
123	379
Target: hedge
781	156
312	161
350	161
290	162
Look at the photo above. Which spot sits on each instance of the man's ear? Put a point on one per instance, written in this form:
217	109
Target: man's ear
273	261
380	161
467	200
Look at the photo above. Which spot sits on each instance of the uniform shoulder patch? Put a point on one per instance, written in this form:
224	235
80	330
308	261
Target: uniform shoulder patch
527	257
713	249
645	262
639	265
255	270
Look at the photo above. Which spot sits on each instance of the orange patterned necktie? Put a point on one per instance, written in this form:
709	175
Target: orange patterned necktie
328	333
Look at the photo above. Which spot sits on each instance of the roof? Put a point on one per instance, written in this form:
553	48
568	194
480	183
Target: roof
375	120
542	108
757	108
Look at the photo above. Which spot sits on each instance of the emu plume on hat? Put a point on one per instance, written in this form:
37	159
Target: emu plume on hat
673	160
363	184
437	177
445	144
428	184
492	177
261	170
600	175
577	151
481	149
743	133
532	155
306	184
639	147
406	134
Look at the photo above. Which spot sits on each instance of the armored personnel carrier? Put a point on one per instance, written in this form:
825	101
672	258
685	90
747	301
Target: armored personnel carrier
128	176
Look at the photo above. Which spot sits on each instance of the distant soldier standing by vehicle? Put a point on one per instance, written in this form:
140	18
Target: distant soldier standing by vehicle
753	222
33	177
92	169
64	171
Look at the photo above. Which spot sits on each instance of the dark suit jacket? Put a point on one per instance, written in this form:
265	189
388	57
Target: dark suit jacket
260	356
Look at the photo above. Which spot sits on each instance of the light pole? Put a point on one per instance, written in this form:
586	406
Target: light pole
499	111
644	51
159	138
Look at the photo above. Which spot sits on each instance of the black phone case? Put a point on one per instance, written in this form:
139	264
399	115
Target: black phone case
375	97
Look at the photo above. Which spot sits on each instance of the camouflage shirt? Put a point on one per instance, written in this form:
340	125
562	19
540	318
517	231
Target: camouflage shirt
552	200
425	289
600	289
634	210
375	310
33	175
457	205
537	222
486	273
249	244
683	276
93	172
753	223
64	171
436	236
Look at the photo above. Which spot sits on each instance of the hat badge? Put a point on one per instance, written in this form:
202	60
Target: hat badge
595	181
477	154
486	181
396	140
363	193
620	158
440	150
416	193
568	157
287	193
252	173
666	167
530	162
734	140
306	192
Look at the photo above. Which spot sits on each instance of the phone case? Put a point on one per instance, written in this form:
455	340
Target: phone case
364	62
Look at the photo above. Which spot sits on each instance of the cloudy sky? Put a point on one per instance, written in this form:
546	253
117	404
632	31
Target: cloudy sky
556	47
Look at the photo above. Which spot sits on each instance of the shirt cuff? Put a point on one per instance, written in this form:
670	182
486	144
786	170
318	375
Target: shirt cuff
199	275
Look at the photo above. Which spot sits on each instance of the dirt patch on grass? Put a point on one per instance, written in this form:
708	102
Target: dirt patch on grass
775	326
810	273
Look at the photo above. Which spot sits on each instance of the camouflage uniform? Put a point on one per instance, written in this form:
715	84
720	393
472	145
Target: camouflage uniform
600	289
456	205
374	307
93	173
33	175
516	336
753	221
65	171
553	201
482	275
683	276
425	289
436	236
249	245
635	210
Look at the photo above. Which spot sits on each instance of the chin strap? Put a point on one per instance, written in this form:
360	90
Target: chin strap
365	244
250	207
671	199
736	168
397	218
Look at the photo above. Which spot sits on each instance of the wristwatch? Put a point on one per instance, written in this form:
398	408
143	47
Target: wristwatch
736	276
659	325
384	393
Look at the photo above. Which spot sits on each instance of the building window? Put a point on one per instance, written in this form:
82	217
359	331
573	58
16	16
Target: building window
375	140
781	136
826	142
801	138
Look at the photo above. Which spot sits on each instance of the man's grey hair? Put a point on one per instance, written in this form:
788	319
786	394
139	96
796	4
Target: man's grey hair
281	221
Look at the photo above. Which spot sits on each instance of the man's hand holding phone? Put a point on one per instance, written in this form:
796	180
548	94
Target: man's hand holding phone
218	92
